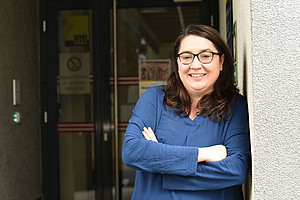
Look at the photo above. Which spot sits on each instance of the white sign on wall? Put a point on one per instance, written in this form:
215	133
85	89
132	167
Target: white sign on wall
74	71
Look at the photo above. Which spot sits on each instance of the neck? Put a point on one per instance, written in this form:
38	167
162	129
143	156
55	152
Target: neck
194	101
194	109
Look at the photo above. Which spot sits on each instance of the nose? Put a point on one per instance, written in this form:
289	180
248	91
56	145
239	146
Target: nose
196	63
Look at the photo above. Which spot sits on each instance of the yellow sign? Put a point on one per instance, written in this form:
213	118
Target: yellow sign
77	30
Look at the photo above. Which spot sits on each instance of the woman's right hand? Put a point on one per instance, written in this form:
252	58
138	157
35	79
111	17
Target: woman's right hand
212	154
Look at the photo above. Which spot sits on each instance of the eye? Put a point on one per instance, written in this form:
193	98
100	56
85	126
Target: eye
186	56
205	55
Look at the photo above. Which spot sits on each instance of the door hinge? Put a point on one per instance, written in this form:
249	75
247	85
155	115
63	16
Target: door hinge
212	23
44	25
45	117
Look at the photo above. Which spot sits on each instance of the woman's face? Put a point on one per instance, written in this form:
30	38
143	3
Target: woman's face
197	78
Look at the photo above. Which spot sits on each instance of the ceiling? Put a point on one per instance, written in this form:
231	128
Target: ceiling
167	22
158	25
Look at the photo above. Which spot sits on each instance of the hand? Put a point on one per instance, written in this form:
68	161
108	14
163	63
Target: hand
149	134
212	154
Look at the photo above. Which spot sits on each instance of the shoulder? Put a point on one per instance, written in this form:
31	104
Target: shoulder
149	106
239	100
152	96
153	93
239	121
239	107
156	89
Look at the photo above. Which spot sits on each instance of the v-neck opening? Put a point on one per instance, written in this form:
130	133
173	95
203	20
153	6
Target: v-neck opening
190	121
193	119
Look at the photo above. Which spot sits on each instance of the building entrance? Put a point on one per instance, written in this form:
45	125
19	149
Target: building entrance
97	58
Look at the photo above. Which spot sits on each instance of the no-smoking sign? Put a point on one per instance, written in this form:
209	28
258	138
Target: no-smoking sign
74	64
74	72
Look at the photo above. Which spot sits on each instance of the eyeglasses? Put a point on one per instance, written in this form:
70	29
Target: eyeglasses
204	57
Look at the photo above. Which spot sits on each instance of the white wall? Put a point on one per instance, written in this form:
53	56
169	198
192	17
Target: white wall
268	59
276	99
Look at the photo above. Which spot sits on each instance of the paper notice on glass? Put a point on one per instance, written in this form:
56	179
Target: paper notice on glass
77	30
74	72
153	73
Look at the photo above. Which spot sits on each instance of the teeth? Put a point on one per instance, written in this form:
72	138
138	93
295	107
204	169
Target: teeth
197	75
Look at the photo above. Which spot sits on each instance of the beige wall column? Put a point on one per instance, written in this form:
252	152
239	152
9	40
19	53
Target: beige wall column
242	20
242	24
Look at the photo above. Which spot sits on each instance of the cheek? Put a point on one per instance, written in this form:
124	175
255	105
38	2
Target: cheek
213	74
181	72
217	75
217	72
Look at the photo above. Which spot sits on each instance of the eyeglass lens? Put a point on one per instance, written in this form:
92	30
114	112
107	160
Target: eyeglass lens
188	58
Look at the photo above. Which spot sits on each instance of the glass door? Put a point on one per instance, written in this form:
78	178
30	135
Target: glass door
144	40
75	102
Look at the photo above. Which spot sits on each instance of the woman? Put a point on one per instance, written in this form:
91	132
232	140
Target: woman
190	138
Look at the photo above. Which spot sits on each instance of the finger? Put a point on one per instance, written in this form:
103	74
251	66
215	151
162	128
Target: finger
151	134
155	139
146	136
150	129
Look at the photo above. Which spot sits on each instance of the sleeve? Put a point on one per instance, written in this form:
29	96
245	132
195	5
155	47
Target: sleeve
144	155
228	172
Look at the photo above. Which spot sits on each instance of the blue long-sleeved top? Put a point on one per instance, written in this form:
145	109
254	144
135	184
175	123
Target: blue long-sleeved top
169	169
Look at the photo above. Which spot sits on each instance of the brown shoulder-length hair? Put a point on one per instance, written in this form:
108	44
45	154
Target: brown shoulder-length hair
216	105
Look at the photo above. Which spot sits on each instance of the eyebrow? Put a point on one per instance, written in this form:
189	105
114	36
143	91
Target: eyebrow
202	50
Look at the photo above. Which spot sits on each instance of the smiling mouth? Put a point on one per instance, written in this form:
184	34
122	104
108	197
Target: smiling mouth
197	75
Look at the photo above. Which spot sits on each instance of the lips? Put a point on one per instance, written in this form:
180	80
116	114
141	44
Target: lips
197	75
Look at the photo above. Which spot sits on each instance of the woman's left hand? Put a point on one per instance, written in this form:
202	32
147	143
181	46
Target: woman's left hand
149	134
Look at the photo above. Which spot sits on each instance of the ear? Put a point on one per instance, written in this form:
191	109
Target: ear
222	58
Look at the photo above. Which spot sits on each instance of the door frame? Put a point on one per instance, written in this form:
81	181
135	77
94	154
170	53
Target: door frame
102	101
102	112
